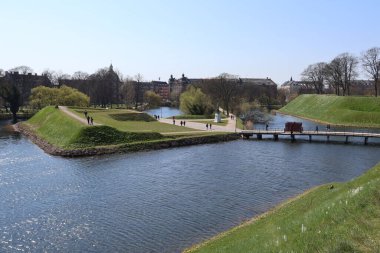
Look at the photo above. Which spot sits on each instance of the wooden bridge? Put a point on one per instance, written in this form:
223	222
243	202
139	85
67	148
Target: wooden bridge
276	133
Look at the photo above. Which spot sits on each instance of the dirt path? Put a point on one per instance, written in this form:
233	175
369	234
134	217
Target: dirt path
74	116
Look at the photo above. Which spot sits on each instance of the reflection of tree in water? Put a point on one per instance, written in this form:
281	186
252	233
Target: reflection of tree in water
255	116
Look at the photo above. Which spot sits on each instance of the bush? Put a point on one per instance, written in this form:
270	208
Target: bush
195	102
42	96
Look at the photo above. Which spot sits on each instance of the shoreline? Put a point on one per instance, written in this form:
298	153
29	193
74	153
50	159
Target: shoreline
325	122
254	219
121	148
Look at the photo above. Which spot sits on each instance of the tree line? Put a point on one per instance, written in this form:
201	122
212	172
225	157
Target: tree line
342	71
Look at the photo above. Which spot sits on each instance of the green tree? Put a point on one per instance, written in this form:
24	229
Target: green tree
152	99
42	96
195	102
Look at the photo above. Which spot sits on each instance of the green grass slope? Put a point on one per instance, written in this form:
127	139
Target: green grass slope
343	219
349	110
55	126
128	120
61	130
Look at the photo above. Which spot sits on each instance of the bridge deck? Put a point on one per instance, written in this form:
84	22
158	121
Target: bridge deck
310	133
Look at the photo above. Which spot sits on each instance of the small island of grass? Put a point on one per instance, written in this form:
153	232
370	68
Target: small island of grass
115	131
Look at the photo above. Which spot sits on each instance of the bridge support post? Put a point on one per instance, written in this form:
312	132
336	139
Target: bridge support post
275	137
346	140
292	136
259	136
328	138
310	137
365	140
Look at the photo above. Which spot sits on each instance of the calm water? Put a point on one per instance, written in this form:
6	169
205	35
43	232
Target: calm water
159	201
165	112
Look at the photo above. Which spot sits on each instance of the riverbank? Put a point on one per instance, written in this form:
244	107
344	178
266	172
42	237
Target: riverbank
361	112
59	134
336	217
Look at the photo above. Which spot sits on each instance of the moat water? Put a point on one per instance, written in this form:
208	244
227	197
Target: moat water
156	201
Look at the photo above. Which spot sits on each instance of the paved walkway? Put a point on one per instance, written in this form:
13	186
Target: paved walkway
75	116
230	127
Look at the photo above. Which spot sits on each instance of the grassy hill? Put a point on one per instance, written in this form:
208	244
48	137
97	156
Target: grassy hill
61	130
350	111
345	218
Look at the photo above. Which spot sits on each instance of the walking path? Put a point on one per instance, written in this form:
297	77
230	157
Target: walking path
230	127
75	116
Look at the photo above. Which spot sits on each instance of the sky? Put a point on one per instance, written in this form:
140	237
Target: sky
200	38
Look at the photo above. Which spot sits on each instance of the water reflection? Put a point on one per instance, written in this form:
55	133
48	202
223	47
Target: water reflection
159	201
165	112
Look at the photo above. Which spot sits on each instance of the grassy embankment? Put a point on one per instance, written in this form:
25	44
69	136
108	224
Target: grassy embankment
119	127
343	219
60	130
129	120
337	110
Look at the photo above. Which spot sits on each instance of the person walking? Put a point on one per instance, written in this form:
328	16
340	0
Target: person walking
210	126
184	123
266	127
206	126
316	129
88	120
181	123
92	121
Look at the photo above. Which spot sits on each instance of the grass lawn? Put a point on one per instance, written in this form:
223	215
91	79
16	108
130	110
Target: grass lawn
339	110
55	126
211	121
345	218
111	117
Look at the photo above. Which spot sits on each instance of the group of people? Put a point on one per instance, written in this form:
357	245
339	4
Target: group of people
208	125
328	127
157	117
90	120
232	116
183	123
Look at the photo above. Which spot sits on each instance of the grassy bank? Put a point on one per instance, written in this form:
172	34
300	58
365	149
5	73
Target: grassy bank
128	120
59	134
345	218
338	110
58	129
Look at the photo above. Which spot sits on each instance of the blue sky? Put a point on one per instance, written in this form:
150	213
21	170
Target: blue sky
201	38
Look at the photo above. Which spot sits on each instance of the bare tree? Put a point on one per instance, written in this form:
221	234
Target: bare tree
55	76
371	64
139	77
80	75
22	69
222	90
11	96
316	75
342	71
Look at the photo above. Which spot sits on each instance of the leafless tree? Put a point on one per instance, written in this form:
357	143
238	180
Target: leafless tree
371	64
80	75
22	69
139	78
55	76
222	90
341	72
316	75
